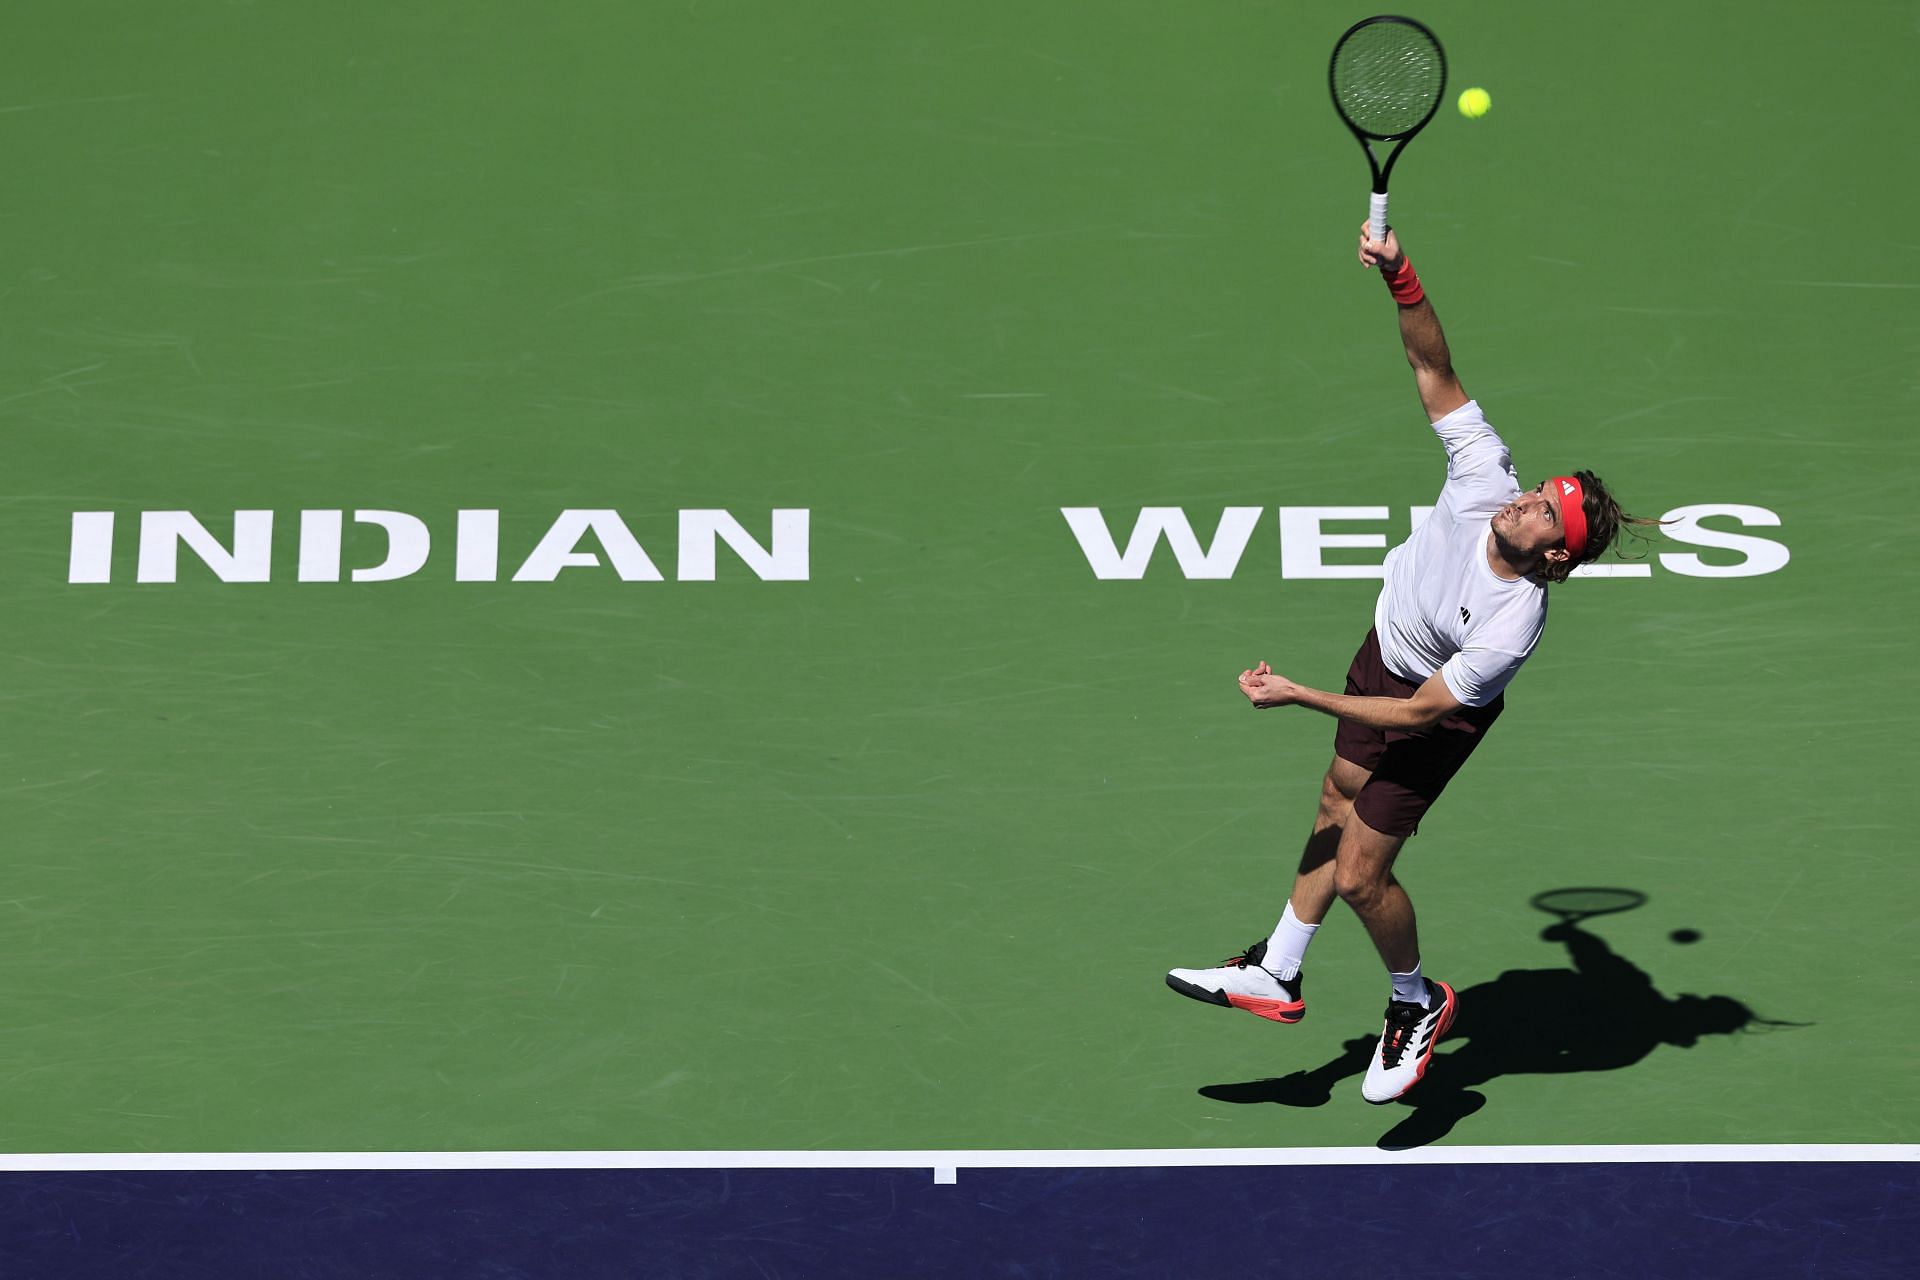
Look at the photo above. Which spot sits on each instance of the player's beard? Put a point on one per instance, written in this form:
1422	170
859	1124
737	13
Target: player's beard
1511	554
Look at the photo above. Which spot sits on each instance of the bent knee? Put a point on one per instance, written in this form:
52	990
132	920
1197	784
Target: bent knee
1360	888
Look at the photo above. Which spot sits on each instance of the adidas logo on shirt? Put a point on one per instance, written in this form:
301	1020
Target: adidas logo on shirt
1465	617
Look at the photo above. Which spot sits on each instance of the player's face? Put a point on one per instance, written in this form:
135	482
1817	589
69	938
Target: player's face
1530	524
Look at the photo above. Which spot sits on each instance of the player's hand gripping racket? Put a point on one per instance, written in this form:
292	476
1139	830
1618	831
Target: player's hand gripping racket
1388	76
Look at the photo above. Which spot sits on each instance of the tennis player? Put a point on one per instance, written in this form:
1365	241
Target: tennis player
1464	604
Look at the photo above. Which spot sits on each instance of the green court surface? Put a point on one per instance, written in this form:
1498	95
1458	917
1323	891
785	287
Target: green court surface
895	856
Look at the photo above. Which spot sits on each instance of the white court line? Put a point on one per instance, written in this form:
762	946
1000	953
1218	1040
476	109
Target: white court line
946	1164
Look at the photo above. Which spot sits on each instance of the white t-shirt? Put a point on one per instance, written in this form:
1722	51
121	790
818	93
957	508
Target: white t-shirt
1443	608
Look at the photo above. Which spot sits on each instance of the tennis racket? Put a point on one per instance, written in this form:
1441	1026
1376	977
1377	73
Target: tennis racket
1575	905
1388	75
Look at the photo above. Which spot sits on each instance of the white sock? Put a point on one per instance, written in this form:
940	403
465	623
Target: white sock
1410	988
1288	946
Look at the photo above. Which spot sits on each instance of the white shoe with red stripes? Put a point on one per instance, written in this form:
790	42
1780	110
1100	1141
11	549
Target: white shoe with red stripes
1241	983
1406	1042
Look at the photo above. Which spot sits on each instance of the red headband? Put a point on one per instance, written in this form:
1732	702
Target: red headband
1573	515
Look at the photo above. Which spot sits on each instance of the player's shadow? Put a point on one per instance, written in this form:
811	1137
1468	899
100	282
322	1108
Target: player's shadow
1600	1015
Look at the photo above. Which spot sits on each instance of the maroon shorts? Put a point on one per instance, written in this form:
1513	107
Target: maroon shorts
1409	769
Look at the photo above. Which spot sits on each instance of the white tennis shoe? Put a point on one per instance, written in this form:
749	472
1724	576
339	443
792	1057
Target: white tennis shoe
1241	983
1406	1043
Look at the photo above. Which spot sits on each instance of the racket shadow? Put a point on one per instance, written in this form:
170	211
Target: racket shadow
1603	1013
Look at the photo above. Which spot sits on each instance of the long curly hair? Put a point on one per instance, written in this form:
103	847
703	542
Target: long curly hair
1605	520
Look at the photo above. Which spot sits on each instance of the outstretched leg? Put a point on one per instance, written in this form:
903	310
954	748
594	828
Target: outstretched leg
1362	876
1421	1009
1265	980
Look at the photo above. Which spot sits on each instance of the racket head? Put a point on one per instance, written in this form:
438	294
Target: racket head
1388	75
1579	904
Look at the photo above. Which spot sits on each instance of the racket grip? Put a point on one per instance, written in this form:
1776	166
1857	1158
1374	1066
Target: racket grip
1377	216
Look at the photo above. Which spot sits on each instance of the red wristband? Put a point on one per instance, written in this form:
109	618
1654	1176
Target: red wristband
1404	284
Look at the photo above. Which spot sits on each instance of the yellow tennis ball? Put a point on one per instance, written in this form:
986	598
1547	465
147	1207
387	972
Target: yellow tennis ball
1475	103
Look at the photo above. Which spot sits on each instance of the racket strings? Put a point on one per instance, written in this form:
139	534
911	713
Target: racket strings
1387	78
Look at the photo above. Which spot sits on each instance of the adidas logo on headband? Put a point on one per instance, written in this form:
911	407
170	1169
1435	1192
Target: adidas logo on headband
1572	515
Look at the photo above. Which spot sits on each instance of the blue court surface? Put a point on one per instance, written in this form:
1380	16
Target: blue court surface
1585	1220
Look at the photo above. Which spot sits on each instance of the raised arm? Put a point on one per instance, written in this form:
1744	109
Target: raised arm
1426	345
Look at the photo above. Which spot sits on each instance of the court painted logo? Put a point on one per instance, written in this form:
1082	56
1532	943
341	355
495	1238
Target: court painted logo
1305	539
575	539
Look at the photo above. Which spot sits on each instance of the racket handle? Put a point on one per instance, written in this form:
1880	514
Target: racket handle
1377	216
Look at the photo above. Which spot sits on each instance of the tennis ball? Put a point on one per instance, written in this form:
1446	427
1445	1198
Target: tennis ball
1475	103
